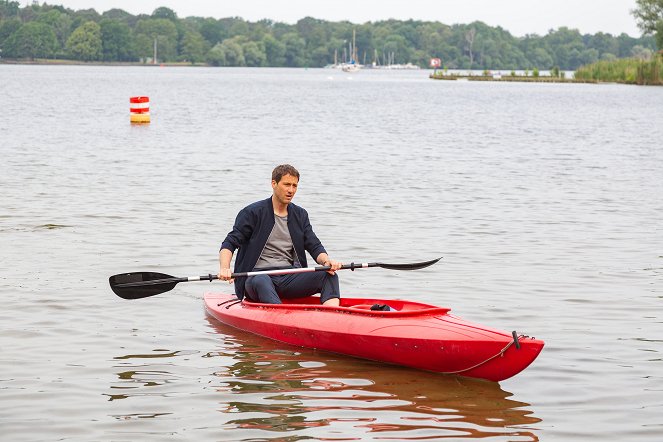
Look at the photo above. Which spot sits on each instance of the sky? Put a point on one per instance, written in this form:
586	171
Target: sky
519	17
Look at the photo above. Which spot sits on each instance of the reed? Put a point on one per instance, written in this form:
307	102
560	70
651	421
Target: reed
625	70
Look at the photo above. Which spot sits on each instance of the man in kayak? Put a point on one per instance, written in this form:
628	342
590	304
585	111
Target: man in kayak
272	234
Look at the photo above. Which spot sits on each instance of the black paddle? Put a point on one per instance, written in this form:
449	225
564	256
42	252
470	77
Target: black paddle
138	285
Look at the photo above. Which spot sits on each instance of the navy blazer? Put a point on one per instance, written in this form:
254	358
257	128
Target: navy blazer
251	230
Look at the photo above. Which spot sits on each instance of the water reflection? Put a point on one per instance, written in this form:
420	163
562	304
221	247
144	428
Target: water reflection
135	374
253	388
282	389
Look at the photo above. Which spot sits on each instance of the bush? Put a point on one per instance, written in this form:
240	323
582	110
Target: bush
626	70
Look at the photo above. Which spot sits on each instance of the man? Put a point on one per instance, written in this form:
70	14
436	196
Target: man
275	233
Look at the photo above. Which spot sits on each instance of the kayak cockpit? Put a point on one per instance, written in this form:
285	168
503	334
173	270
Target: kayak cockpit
363	306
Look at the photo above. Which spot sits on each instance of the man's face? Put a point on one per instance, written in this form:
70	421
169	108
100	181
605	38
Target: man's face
285	190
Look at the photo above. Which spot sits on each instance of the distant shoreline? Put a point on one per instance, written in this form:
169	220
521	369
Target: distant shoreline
60	62
628	72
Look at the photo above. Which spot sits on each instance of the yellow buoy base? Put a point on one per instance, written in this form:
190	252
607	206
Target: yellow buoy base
140	118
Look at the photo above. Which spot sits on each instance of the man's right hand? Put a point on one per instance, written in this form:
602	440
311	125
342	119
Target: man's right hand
225	274
225	256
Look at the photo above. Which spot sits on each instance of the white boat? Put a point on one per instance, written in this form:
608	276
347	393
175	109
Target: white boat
350	67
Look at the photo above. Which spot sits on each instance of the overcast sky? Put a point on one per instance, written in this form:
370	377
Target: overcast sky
519	17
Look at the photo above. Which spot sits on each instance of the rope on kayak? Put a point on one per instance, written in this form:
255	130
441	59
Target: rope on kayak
499	353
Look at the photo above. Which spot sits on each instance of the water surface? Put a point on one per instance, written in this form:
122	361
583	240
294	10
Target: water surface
545	201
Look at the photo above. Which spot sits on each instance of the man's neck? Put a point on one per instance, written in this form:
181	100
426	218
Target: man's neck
279	209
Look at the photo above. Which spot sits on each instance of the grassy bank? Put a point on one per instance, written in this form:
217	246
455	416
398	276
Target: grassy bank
626	70
534	78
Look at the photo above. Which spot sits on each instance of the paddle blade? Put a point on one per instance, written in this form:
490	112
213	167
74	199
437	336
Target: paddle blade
411	266
141	284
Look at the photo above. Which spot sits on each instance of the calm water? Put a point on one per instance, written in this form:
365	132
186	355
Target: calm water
546	202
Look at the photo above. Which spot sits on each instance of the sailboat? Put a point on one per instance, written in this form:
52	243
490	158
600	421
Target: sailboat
352	65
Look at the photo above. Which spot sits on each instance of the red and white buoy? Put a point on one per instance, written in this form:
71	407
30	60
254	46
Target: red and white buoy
139	108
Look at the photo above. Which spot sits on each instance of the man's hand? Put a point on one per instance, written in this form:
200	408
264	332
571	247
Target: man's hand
324	260
226	275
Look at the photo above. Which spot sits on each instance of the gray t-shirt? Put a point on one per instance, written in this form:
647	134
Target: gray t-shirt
278	251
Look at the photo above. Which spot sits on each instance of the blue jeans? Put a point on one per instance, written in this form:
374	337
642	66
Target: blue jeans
270	289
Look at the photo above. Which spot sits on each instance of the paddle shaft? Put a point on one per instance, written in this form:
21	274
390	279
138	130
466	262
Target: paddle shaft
288	271
138	285
210	277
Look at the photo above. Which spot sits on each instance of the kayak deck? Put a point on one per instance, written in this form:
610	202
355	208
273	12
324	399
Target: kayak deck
359	306
413	334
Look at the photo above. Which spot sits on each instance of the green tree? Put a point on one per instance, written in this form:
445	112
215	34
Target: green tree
260	29
591	55
295	50
83	16
161	30
566	47
119	14
192	47
232	52
397	46
238	28
210	29
320	56
7	28
216	56
85	42
649	14
313	31
165	13
433	38
31	40
116	43
540	57
274	51
61	24
9	9
604	43
254	54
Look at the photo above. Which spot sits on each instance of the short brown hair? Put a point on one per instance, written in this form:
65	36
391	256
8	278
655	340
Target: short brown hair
284	169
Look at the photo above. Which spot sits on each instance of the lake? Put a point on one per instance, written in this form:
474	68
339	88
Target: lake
545	201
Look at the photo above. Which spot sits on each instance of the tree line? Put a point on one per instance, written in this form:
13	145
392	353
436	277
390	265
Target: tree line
54	32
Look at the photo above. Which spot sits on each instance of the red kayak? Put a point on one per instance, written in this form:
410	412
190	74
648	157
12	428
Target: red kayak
411	334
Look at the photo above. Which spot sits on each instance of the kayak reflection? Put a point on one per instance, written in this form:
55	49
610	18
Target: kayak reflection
282	388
